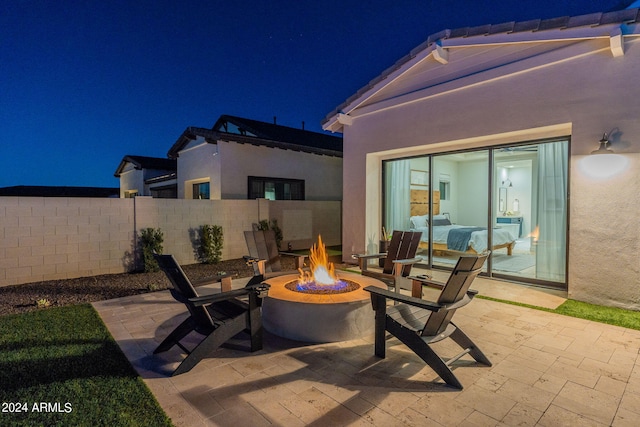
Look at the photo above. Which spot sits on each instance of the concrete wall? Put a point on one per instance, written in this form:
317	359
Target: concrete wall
581	97
59	238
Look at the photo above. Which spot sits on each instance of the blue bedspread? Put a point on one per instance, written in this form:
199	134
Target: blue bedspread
458	238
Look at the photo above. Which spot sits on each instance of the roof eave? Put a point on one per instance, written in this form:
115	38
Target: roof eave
241	139
123	164
190	134
584	27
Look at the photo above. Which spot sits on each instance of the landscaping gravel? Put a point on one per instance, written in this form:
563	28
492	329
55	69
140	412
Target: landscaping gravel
22	298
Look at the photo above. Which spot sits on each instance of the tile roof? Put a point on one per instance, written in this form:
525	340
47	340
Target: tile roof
624	16
263	134
275	132
144	162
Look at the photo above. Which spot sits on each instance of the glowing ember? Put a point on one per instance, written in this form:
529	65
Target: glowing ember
322	274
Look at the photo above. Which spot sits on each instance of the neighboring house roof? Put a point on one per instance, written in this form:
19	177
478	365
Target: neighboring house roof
144	162
50	191
247	131
609	25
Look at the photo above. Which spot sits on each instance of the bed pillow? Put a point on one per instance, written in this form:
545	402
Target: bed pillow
419	221
441	221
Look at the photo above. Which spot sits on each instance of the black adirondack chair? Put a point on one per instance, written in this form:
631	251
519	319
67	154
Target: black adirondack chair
418	323
398	260
218	317
264	255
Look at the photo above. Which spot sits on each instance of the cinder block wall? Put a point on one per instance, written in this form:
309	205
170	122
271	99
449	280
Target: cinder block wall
57	238
60	238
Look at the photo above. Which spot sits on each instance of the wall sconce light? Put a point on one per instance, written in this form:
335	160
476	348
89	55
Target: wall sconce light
603	167
604	146
507	183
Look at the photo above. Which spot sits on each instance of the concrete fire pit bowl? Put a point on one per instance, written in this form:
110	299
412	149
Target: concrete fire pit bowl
309	317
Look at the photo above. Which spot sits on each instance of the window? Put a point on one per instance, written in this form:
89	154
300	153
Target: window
201	190
164	192
445	190
275	188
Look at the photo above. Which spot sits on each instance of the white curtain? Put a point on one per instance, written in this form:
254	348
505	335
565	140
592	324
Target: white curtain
552	211
397	195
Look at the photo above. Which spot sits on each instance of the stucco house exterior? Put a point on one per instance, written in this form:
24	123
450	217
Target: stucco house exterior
493	128
239	159
147	176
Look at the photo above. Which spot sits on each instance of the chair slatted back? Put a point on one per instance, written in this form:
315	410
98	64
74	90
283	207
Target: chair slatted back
466	270
403	245
262	245
182	288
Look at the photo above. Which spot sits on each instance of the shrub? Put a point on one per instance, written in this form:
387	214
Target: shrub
151	241
211	240
265	225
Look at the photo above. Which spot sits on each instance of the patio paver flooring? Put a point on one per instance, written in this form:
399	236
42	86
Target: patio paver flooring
548	370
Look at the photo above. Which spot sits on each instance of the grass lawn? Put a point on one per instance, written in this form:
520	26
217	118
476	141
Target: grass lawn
60	366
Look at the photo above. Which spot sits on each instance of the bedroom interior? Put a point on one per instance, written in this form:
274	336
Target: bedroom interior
526	193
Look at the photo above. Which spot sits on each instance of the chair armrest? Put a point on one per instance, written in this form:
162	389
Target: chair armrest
210	280
428	281
299	258
365	256
224	296
261	289
409	261
400	264
293	254
259	265
416	302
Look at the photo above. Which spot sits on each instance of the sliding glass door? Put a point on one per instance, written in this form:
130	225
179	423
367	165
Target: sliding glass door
530	204
511	200
460	187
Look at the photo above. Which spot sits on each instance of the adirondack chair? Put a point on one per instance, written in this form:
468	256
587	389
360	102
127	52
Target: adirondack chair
218	317
264	255
398	260
418	323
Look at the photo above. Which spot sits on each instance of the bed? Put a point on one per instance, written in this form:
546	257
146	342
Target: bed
449	237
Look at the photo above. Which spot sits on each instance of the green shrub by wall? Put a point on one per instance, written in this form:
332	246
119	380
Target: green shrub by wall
211	241
151	241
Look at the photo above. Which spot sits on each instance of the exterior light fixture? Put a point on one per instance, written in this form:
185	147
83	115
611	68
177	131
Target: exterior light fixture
603	167
604	146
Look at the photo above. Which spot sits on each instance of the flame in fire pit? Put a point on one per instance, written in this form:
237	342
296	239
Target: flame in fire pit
322	274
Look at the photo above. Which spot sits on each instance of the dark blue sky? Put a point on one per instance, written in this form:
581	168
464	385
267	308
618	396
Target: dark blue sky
84	83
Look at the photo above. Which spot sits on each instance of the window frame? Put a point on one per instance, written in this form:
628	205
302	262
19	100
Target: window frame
256	188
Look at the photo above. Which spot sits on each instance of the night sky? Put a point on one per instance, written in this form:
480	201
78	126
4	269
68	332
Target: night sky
84	83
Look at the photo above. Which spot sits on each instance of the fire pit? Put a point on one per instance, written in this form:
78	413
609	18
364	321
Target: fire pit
319	305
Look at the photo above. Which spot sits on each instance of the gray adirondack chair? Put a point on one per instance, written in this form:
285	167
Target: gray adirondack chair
398	260
218	317
418	323
264	255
